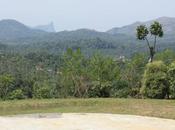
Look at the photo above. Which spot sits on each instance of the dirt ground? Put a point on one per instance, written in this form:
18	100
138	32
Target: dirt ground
84	122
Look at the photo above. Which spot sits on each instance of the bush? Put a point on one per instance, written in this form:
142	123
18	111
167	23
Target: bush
171	76
120	89
16	94
155	81
6	85
43	90
99	91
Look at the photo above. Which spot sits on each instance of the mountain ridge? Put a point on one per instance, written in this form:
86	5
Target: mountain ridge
168	24
12	29
122	43
13	26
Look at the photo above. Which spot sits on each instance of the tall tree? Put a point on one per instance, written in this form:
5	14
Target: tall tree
74	73
104	72
155	30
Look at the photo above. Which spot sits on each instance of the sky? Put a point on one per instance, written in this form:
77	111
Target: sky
100	15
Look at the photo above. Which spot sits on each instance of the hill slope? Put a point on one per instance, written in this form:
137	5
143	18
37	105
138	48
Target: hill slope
12	29
168	24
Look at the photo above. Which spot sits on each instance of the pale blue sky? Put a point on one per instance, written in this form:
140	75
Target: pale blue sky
94	14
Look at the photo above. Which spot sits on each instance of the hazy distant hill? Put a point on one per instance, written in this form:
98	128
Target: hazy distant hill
167	22
81	34
12	29
47	28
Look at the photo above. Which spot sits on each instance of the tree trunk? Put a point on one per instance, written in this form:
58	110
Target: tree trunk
151	58
152	52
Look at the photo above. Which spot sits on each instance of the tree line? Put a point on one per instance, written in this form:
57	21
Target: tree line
75	74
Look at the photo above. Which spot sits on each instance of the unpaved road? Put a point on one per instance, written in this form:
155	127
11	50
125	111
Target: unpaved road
84	122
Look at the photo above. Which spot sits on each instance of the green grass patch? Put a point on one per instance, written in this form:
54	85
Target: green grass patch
143	107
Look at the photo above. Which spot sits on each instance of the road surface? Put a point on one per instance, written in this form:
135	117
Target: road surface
84	122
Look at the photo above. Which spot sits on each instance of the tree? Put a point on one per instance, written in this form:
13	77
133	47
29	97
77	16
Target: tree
74	73
155	31
104	72
155	81
132	73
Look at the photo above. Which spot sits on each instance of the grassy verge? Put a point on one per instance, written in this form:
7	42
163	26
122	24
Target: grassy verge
155	108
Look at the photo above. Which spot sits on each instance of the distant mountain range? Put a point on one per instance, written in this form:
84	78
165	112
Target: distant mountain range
119	40
12	29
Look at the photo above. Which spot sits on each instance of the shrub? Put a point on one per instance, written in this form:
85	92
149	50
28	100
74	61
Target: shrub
6	85
43	90
171	76
155	80
16	94
99	90
120	89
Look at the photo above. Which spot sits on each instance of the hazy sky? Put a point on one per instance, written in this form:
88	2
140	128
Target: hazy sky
94	14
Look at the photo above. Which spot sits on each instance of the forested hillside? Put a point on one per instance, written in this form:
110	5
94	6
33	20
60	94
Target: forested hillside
116	42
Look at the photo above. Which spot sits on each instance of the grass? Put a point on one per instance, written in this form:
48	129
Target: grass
143	107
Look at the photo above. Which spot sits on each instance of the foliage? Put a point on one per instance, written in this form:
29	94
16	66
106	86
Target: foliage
88	77
131	73
16	94
120	89
6	82
104	71
155	81
167	56
142	32
171	75
74	74
156	29
43	90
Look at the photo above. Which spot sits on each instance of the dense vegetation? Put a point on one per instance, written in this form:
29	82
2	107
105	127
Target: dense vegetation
75	74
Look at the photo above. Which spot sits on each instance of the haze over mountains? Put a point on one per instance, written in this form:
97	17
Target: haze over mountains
12	29
168	24
119	40
47	28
